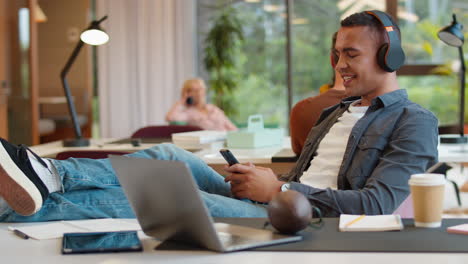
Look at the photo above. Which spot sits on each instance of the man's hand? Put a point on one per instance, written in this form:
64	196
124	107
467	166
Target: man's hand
255	183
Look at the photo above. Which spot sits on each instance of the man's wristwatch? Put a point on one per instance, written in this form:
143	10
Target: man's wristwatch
285	187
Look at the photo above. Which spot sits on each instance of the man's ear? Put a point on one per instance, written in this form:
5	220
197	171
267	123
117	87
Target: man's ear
333	59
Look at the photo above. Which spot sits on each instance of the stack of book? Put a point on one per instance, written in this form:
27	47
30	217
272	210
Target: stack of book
199	139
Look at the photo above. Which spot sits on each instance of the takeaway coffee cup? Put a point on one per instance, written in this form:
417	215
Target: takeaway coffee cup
427	190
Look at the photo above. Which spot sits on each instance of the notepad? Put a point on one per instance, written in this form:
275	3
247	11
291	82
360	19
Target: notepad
458	229
359	223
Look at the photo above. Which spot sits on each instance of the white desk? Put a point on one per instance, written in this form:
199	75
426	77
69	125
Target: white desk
447	152
17	250
260	156
256	156
453	153
50	150
211	156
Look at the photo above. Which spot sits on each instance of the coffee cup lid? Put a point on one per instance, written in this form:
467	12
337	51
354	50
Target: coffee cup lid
427	179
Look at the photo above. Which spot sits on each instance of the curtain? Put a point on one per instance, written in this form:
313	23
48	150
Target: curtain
141	69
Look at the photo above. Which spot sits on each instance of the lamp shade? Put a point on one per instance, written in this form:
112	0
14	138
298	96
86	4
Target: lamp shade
452	35
94	37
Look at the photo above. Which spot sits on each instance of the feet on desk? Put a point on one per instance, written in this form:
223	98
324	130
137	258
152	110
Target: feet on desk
20	185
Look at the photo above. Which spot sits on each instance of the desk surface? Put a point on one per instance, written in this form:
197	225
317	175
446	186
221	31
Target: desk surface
211	156
51	149
447	152
17	250
453	152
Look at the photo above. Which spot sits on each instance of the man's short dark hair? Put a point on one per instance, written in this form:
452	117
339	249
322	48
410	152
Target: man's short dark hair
365	19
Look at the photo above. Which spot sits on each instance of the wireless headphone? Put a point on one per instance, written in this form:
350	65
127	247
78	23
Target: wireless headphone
390	56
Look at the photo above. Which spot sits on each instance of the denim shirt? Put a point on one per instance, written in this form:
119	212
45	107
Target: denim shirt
394	139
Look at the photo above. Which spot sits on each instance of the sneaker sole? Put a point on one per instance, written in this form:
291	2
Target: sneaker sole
16	188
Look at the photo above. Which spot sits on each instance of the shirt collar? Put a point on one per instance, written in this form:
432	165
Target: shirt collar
384	100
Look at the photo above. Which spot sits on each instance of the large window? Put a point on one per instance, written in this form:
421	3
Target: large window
262	67
261	63
432	65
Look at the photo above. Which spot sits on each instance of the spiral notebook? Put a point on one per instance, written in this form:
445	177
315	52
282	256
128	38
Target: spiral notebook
360	223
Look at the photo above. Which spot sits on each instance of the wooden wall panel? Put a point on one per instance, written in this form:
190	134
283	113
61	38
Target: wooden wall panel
3	71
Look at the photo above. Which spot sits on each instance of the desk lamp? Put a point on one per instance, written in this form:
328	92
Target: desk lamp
452	35
93	35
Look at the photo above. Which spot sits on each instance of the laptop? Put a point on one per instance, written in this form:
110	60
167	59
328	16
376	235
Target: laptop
168	206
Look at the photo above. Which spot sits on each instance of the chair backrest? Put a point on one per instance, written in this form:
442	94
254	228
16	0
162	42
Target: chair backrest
90	154
162	131
451	129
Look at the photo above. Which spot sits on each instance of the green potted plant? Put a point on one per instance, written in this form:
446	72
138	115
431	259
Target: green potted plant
222	47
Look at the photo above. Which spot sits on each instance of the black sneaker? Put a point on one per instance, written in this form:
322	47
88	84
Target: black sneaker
20	185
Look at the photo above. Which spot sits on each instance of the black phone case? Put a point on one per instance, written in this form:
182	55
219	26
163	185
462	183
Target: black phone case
229	157
70	250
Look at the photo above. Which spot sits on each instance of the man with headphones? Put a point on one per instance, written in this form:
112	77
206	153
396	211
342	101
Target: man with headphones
360	154
357	159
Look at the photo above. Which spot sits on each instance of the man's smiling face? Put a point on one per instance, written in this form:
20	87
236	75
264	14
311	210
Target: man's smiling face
357	48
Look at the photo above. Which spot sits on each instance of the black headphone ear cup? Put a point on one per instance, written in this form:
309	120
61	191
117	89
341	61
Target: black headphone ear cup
382	57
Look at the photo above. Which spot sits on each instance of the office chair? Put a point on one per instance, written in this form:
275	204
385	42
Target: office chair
405	210
90	154
165	131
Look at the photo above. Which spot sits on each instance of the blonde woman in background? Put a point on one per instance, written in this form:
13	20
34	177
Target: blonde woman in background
193	110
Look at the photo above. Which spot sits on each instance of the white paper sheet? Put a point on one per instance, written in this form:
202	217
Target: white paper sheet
51	230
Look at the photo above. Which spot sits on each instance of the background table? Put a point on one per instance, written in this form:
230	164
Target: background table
453	153
260	156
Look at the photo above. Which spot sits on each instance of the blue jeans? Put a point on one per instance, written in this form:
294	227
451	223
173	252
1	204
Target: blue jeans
91	190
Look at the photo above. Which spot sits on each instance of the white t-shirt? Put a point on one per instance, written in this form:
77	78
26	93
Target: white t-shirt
324	168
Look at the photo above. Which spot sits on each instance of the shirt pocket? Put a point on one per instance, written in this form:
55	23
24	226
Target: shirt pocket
372	143
369	151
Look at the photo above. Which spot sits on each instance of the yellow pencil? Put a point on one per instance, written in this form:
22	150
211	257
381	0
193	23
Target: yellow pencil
354	221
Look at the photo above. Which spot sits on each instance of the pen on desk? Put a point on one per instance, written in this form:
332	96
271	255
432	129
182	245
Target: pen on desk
20	234
355	220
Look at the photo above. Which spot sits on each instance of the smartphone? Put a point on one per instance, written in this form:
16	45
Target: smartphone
100	242
228	156
189	101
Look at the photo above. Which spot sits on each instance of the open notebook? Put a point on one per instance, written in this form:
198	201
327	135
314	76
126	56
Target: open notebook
370	222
